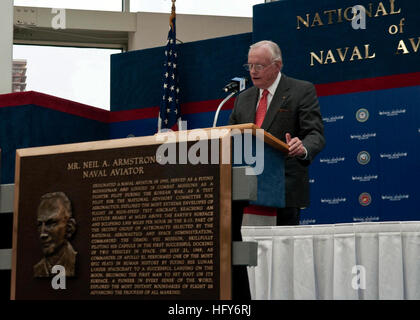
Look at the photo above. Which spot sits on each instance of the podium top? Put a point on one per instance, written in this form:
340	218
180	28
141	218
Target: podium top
268	137
183	135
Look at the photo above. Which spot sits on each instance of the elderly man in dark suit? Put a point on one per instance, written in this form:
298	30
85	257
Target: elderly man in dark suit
288	109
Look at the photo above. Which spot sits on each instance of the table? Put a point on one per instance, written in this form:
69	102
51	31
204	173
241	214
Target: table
379	260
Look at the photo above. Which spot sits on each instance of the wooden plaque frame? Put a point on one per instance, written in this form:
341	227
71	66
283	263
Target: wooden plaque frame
24	231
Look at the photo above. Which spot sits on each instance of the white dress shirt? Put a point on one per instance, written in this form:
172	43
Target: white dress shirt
271	90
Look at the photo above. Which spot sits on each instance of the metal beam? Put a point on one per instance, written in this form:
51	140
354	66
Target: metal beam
37	25
7	195
244	187
5	259
244	253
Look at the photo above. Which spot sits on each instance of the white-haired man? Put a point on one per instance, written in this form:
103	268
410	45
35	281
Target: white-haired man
288	109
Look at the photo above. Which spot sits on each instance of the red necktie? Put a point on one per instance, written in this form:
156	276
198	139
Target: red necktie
262	109
259	118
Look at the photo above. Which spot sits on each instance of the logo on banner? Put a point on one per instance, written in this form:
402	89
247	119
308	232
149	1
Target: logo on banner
363	157
333	200
365	178
393	156
332	160
396	197
364	136
365	199
392	113
307	221
362	115
332	119
365	219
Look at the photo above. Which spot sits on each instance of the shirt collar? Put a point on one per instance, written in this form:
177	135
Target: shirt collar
272	89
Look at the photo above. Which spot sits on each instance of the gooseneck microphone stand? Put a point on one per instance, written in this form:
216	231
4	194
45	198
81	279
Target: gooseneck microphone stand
221	105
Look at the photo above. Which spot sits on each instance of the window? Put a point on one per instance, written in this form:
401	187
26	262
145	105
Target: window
236	8
83	74
77	74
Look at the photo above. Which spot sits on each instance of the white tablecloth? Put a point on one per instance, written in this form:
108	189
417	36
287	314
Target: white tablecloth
342	261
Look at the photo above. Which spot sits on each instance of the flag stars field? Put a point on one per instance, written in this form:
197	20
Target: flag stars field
169	114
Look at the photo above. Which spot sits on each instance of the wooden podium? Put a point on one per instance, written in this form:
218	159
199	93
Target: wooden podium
152	215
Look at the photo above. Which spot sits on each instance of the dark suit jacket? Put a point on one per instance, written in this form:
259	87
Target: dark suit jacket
294	109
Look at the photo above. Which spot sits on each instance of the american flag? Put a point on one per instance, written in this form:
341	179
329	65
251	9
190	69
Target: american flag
170	111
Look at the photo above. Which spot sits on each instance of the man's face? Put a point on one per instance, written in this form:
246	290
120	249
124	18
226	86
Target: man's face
264	78
52	223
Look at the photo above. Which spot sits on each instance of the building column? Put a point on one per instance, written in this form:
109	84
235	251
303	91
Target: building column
6	45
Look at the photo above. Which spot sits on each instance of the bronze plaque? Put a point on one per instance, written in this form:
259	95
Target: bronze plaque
117	224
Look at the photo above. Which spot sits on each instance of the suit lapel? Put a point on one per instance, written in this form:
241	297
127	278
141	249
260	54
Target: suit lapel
249	116
279	98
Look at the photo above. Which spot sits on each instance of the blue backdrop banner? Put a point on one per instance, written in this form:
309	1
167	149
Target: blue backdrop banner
370	168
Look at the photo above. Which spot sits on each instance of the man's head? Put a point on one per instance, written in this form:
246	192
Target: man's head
55	222
264	62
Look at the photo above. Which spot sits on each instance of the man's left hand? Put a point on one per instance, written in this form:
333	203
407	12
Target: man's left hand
296	148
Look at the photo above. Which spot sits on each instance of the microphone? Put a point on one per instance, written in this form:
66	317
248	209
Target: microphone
235	85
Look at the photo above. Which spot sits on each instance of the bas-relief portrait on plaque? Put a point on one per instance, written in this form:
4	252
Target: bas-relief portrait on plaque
143	230
56	226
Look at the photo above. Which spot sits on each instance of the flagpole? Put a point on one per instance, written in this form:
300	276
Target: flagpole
171	19
173	14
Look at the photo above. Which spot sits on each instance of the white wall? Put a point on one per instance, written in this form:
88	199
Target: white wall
6	45
152	28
